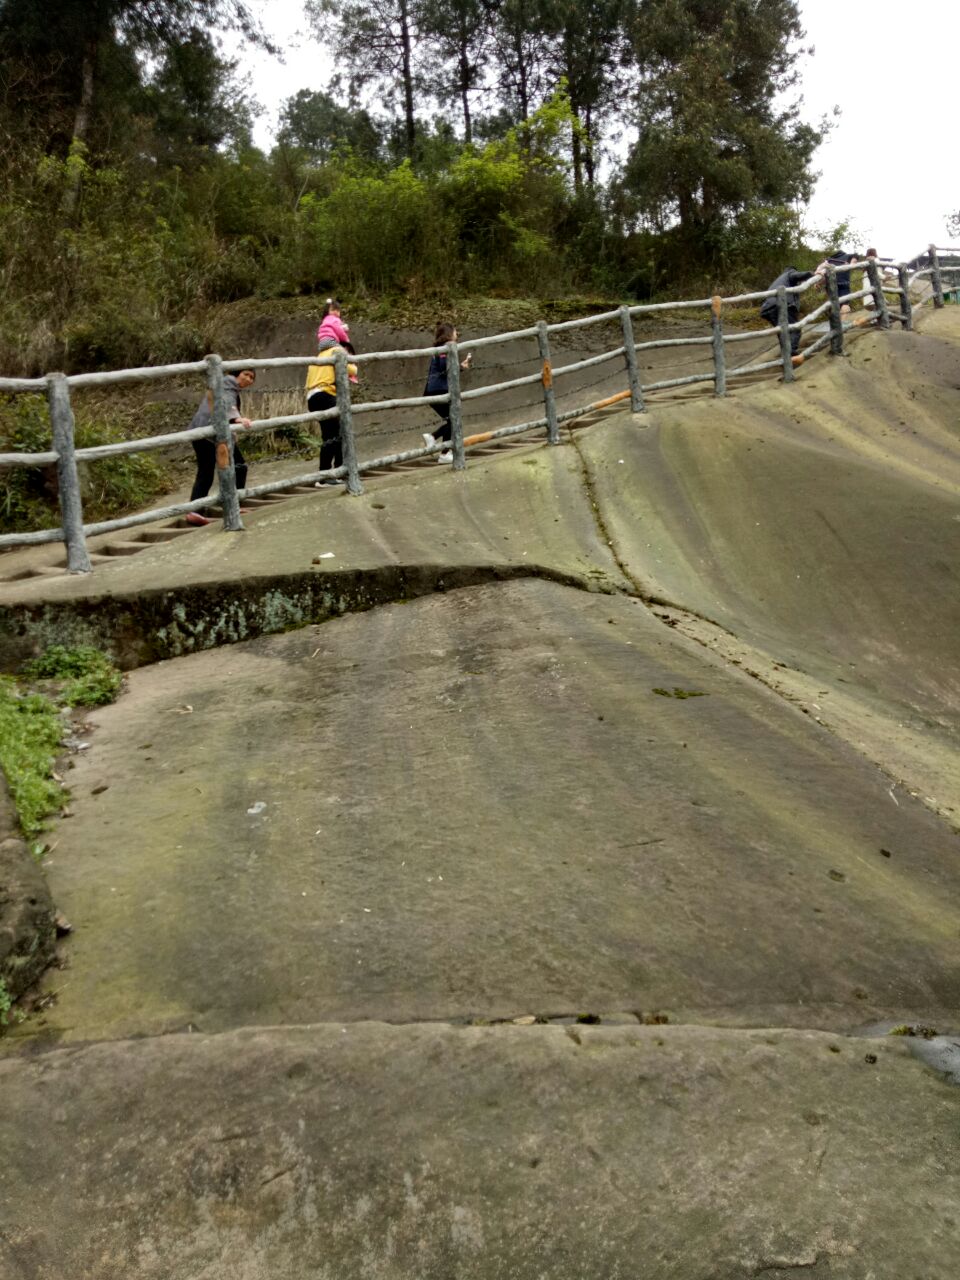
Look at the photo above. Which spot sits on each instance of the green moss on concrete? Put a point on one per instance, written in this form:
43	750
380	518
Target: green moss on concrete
30	734
136	629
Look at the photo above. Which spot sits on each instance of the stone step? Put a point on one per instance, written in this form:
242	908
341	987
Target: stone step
167	534
124	548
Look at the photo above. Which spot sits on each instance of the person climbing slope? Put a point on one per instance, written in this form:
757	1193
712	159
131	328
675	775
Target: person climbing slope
206	449
789	279
437	385
321	388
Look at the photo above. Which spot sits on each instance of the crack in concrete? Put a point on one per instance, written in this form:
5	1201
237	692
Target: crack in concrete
688	621
777	1268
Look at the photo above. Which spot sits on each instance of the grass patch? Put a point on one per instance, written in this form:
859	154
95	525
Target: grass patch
110	486
84	677
32	725
30	733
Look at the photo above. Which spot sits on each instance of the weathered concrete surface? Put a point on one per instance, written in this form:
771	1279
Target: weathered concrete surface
514	1152
818	530
27	931
477	805
406	536
430	1151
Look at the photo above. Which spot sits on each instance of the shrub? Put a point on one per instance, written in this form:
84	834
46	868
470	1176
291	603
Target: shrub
85	676
112	486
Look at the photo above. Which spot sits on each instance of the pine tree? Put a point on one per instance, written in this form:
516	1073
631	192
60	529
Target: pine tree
458	31
378	42
588	50
714	135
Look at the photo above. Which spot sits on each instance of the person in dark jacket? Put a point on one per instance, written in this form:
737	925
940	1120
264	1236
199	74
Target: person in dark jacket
789	279
437	385
840	258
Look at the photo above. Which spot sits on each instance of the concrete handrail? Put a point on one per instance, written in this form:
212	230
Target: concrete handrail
65	456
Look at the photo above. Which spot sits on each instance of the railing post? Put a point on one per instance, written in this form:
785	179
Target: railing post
342	376
68	479
906	306
719	351
630	352
786	349
546	377
226	475
883	312
456	414
936	278
836	316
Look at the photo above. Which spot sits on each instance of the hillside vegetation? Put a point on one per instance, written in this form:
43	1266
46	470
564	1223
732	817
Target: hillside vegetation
628	147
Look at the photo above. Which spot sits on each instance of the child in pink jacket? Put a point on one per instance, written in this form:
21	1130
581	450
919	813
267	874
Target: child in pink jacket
331	326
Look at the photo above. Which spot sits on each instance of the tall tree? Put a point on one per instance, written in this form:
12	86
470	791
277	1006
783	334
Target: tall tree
318	125
377	40
90	34
519	39
194	100
714	133
459	32
84	32
588	49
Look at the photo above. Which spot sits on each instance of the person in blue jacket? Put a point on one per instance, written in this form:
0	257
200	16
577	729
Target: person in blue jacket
437	385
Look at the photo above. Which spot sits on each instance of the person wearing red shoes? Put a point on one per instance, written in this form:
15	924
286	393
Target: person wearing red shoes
206	449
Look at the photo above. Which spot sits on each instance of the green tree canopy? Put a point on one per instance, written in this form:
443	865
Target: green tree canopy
376	40
321	127
714	135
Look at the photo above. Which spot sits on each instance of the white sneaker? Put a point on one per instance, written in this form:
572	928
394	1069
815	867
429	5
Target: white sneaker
446	456
428	439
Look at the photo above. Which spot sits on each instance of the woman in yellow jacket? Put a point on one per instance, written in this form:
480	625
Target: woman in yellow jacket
322	394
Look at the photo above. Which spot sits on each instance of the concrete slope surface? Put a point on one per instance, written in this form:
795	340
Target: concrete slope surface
481	805
819	532
677	756
388	1153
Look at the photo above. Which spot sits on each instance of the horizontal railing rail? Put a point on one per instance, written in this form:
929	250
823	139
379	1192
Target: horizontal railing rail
787	330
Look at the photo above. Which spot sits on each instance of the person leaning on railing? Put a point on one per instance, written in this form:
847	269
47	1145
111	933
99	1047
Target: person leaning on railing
886	273
321	388
206	449
839	259
789	279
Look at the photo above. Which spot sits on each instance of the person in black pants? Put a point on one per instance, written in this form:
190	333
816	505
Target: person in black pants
788	280
438	385
322	394
839	258
206	449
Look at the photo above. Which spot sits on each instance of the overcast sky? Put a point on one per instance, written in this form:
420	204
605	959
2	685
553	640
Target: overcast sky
888	166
